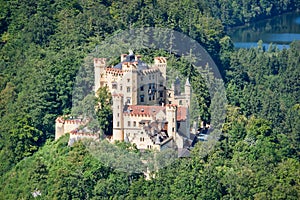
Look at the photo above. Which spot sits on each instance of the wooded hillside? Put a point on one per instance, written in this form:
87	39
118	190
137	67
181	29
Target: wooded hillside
43	44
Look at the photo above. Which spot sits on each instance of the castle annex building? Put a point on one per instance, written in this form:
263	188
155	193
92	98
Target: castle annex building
145	111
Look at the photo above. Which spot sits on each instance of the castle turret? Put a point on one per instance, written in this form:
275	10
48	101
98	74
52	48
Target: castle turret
161	63
118	122
188	92
171	119
99	69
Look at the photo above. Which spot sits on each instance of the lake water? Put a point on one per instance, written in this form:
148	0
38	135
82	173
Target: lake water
280	30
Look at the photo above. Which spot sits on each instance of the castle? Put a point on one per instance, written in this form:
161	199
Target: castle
145	112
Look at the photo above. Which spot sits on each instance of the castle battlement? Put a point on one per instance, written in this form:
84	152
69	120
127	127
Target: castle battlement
160	60
86	135
150	71
99	61
69	121
171	106
114	72
137	115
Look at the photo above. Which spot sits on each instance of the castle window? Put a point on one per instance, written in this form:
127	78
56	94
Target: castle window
128	89
118	124
142	88
150	98
152	76
128	100
142	78
169	94
128	123
142	98
128	80
118	114
161	84
114	85
173	120
153	97
173	129
161	94
134	124
180	102
121	87
142	139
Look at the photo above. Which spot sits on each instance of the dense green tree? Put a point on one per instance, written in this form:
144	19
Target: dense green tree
104	111
42	46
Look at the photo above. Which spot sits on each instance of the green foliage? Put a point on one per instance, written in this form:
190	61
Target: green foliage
42	46
104	111
236	12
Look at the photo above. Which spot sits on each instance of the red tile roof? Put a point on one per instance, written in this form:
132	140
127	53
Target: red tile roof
144	110
153	110
181	113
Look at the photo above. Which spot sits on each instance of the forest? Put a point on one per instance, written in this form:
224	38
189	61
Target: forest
43	44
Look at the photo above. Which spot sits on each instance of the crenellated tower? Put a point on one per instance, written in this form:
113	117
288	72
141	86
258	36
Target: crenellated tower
99	69
161	63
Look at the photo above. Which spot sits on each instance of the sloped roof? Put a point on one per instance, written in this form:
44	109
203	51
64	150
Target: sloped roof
144	110
181	113
153	110
131	59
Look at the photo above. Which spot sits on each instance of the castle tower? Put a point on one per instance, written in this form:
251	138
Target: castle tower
129	82
188	93
171	116
161	63
118	122
99	69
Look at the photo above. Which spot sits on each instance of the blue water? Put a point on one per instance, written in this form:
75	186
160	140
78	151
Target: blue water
280	31
297	20
281	37
254	44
